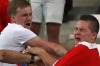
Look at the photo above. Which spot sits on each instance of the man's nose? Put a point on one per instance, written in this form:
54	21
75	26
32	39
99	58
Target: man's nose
77	31
29	17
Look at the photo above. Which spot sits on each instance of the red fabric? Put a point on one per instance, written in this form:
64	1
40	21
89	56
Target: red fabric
18	64
4	18
80	56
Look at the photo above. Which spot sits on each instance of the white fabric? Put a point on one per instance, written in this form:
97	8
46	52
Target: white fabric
89	45
52	10
13	37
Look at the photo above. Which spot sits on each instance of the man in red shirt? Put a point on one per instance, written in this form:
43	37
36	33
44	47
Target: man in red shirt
85	52
4	18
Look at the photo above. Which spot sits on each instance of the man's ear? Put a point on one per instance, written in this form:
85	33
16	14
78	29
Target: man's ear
94	35
13	18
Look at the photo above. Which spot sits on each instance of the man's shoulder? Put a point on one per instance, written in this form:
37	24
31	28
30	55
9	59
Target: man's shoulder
87	44
16	27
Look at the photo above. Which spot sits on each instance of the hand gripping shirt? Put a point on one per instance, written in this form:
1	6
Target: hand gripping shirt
13	37
83	54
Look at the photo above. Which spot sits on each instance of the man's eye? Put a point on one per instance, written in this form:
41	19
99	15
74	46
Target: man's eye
30	14
25	15
75	28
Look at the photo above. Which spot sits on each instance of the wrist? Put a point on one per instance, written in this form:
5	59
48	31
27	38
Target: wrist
32	59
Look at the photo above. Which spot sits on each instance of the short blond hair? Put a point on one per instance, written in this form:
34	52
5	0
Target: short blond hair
14	4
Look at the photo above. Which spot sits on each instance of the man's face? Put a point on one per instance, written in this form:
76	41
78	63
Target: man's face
23	17
82	32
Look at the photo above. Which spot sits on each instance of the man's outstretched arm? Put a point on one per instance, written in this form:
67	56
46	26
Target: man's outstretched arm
53	48
9	56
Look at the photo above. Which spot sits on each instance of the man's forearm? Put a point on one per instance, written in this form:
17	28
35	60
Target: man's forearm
53	48
47	59
10	56
57	50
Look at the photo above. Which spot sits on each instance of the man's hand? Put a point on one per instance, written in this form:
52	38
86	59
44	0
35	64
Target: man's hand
46	58
36	51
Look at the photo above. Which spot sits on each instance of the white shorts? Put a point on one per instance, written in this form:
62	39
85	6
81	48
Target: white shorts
50	10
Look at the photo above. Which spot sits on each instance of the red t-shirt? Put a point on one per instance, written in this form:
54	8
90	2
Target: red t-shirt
4	18
84	54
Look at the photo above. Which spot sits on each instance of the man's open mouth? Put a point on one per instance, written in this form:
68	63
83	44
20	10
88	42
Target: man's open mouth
28	24
77	38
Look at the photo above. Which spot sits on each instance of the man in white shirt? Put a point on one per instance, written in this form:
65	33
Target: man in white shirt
16	36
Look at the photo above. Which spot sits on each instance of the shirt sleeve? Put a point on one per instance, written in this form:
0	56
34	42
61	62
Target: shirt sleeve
22	35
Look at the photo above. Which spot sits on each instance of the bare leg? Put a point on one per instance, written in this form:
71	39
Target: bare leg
36	27
53	30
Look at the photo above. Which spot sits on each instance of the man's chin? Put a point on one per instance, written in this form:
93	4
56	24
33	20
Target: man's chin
28	27
76	42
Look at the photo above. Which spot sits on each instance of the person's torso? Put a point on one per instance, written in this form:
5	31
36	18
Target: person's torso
13	38
84	54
